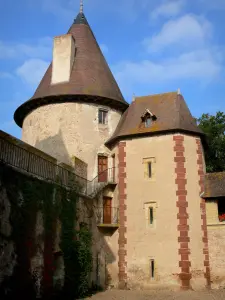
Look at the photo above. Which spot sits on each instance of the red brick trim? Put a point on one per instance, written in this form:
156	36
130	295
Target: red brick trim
122	241
182	216
201	174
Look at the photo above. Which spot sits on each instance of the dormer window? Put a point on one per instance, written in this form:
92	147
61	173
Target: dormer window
148	122
147	118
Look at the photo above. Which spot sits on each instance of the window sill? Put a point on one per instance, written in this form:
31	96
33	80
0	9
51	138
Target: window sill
150	179
151	226
102	126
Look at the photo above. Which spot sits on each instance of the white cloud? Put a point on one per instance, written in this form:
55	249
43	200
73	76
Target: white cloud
198	65
168	9
188	30
32	71
41	48
104	48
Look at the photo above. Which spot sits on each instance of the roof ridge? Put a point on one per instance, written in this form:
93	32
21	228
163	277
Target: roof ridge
157	94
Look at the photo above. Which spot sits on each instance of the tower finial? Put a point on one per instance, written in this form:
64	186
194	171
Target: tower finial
81	6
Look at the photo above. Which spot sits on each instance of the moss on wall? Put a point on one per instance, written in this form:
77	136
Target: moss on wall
27	197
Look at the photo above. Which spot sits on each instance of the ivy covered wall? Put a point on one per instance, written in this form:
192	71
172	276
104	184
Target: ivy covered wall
44	252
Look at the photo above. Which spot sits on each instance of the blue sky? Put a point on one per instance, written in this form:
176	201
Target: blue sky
151	46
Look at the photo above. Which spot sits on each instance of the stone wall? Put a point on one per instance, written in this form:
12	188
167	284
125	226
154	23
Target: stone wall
21	231
71	129
22	258
80	167
216	236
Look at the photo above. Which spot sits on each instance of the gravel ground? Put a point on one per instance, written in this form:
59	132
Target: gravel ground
159	295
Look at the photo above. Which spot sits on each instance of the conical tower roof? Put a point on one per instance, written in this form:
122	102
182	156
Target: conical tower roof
90	81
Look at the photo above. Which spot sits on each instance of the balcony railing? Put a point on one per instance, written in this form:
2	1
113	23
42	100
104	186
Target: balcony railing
102	180
33	163
107	175
107	216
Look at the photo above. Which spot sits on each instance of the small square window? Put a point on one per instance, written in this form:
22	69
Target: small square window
102	116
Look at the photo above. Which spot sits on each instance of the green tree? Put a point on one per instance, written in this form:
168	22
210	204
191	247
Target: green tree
214	128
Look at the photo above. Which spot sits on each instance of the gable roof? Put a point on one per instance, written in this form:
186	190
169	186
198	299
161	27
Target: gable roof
170	109
214	185
90	80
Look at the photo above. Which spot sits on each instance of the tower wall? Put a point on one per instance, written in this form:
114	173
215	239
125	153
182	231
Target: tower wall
71	129
175	242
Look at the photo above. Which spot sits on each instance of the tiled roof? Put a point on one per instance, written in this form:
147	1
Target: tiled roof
170	109
214	185
90	80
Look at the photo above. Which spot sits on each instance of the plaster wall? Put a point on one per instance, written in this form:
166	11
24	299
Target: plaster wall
194	214
160	241
145	242
70	129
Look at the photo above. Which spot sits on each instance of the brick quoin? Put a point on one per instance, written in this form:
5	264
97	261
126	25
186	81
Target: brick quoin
182	215
122	241
199	153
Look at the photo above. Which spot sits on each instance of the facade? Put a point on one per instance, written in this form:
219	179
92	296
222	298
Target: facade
146	159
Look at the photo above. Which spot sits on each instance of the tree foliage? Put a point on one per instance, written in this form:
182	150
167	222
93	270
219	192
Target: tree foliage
214	128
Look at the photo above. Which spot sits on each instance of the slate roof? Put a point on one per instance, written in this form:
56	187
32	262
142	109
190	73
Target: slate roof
170	110
90	80
214	185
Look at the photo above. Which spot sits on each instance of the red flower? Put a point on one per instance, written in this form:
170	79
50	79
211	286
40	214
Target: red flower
222	218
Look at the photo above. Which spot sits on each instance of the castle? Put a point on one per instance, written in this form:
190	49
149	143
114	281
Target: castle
160	210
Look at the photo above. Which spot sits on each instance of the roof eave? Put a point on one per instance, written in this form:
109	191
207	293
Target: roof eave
115	139
27	107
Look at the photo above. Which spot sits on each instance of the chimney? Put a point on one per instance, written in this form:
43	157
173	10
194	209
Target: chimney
63	58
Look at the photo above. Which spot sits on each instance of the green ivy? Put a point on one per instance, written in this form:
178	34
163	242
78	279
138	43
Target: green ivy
76	247
29	195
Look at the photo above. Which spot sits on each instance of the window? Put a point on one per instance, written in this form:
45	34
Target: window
102	116
221	209
147	118
149	169
151	215
148	122
152	268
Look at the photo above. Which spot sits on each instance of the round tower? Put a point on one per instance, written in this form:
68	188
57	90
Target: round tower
77	104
